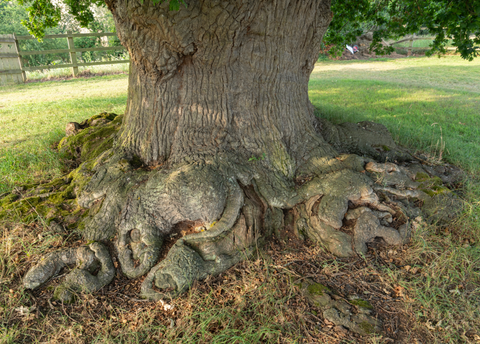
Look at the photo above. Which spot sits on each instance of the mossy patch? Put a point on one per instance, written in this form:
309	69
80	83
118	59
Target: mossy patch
367	327
436	190
421	176
25	208
90	142
10	198
59	197
432	186
318	289
427	181
80	177
64	293
55	200
361	303
103	115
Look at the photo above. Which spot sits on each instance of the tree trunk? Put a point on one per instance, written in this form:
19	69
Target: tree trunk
222	76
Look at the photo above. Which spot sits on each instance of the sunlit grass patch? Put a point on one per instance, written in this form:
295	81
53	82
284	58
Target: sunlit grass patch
33	117
62	73
420	114
450	72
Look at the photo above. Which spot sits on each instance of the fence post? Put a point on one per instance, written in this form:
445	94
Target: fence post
411	46
73	54
17	49
9	68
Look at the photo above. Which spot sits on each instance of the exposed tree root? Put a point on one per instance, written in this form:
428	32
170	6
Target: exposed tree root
145	207
82	278
355	316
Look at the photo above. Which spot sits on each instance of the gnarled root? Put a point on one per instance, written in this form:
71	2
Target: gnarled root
134	245
199	255
368	227
220	221
176	273
81	279
322	216
220	205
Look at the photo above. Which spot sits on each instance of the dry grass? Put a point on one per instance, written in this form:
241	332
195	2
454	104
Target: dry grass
255	301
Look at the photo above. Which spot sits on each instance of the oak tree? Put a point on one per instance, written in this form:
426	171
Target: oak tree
219	139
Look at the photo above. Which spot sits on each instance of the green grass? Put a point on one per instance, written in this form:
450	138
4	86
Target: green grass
33	117
61	73
424	102
419	43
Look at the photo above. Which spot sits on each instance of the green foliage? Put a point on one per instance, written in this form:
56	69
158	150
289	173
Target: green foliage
12	15
254	158
42	14
455	20
445	19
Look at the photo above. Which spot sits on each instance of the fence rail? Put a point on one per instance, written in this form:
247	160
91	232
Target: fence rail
412	38
11	65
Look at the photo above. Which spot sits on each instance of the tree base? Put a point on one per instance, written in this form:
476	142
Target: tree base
177	224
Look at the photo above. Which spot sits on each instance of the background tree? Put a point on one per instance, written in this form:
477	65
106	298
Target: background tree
219	137
12	14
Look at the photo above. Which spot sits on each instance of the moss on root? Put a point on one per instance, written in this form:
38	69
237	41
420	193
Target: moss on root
367	327
56	200
104	115
432	186
9	199
317	289
421	177
93	140
361	303
436	190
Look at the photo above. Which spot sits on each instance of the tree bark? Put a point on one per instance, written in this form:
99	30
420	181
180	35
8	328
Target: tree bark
222	76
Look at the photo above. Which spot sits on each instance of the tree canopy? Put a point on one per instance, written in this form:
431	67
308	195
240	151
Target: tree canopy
446	19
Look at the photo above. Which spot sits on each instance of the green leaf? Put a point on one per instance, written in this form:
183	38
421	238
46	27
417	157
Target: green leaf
174	5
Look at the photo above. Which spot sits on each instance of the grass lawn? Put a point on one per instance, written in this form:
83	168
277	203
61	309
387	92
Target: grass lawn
429	291
33	116
428	104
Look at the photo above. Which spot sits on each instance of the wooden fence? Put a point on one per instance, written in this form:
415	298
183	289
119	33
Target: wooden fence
11	66
412	38
409	39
